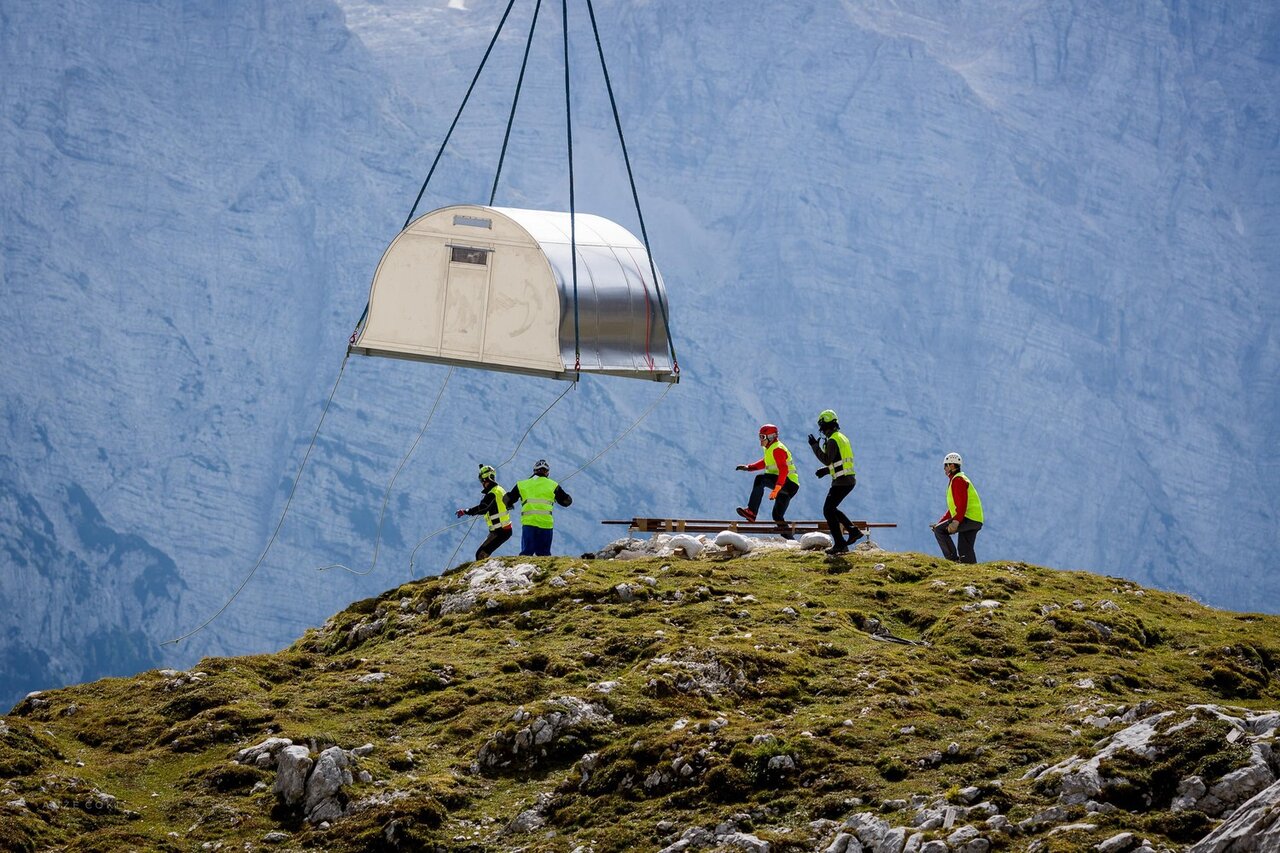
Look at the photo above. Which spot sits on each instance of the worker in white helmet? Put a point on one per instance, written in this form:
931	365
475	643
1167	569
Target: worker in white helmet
963	518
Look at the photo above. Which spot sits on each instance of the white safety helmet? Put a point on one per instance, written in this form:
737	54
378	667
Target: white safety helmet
952	459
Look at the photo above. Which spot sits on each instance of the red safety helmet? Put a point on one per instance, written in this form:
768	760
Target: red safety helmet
768	434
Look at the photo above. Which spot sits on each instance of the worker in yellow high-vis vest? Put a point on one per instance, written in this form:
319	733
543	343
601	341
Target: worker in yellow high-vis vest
963	517
496	515
836	455
779	477
538	497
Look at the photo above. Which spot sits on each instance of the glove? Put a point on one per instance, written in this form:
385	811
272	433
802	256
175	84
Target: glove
953	526
742	468
774	494
460	513
813	442
822	472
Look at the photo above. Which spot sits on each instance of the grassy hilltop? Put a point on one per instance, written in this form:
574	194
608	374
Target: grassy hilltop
709	688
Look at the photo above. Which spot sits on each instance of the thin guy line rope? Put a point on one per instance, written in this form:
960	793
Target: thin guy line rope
386	496
528	430
623	434
288	503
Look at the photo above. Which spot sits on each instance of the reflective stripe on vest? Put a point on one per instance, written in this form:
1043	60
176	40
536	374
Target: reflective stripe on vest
500	517
771	466
974	510
537	500
844	467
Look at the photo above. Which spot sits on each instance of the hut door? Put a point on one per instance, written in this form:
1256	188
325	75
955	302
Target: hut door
466	300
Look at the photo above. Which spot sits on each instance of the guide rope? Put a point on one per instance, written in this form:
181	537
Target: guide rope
635	195
386	495
288	503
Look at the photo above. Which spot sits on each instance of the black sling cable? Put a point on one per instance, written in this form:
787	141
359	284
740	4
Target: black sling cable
445	144
573	219
644	234
515	101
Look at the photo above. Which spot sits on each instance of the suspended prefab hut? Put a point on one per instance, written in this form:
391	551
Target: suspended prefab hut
493	287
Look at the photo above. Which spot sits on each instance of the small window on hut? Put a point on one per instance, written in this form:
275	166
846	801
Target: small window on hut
467	255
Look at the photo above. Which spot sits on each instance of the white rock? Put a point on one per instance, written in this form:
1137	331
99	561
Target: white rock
372	678
267	748
293	764
1252	828
1117	843
1189	792
326	780
487	579
840	844
744	841
1073	827
893	841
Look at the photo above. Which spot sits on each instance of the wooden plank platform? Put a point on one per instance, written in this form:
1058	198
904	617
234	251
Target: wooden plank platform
740	525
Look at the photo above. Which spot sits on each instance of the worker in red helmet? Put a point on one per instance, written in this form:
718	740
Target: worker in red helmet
778	477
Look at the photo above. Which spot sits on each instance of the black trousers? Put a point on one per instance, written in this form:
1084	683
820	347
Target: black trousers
494	541
837	522
967	533
763	483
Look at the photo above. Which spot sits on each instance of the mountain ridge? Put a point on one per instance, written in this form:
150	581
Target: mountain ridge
772	702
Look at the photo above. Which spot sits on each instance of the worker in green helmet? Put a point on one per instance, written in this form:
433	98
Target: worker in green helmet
836	455
495	512
538	496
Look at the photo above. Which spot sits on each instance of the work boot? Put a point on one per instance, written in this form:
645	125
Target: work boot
746	513
784	531
834	550
854	535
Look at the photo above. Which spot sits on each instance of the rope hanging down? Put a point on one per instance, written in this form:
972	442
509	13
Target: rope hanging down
515	100
573	219
279	524
635	196
504	462
386	495
575	473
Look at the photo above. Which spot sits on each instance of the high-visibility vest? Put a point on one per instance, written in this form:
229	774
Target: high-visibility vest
500	517
844	467
974	509
771	466
537	500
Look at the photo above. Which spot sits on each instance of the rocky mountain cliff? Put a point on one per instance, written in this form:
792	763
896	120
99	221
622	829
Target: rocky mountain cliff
642	701
945	224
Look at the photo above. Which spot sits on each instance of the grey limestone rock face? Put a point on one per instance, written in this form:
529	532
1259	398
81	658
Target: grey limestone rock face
1118	843
293	763
324	800
1252	828
556	729
262	754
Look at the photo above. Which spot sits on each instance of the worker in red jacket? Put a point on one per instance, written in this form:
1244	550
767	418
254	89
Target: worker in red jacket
779	477
963	517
